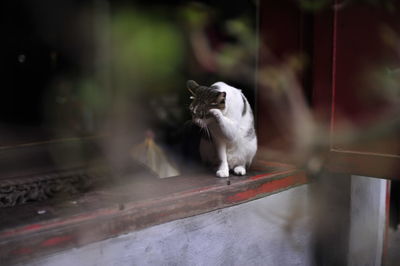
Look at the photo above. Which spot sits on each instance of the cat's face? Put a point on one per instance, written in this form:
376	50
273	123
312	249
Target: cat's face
203	99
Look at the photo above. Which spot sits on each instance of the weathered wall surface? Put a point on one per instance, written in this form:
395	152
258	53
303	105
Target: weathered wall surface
270	231
367	223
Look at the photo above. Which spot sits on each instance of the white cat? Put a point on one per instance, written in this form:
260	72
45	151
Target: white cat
224	112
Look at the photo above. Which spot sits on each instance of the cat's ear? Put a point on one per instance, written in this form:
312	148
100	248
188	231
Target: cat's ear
192	86
221	97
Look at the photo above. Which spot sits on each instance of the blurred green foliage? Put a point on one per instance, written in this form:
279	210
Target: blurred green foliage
195	14
92	96
244	50
314	5
146	50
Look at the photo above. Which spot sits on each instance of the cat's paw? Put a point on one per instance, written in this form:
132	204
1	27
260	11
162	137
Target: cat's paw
215	113
239	170
222	173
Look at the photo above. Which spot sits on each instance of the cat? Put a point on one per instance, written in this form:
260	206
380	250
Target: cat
224	113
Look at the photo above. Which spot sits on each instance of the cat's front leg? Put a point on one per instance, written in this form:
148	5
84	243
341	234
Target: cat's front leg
223	169
227	126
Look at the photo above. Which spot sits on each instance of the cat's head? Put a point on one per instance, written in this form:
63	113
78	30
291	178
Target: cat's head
203	99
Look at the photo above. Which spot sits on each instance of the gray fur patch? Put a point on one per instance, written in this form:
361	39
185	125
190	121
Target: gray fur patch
214	87
244	111
250	134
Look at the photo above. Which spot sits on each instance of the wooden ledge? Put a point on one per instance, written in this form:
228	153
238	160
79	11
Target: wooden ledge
37	229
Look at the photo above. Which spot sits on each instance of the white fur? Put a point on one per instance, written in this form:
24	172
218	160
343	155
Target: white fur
231	149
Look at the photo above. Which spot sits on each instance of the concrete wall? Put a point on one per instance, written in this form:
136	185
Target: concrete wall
367	220
270	231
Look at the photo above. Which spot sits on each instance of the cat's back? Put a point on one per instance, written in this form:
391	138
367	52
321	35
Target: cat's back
235	100
222	86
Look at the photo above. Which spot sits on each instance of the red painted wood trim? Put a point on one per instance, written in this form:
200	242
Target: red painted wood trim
270	187
20	244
